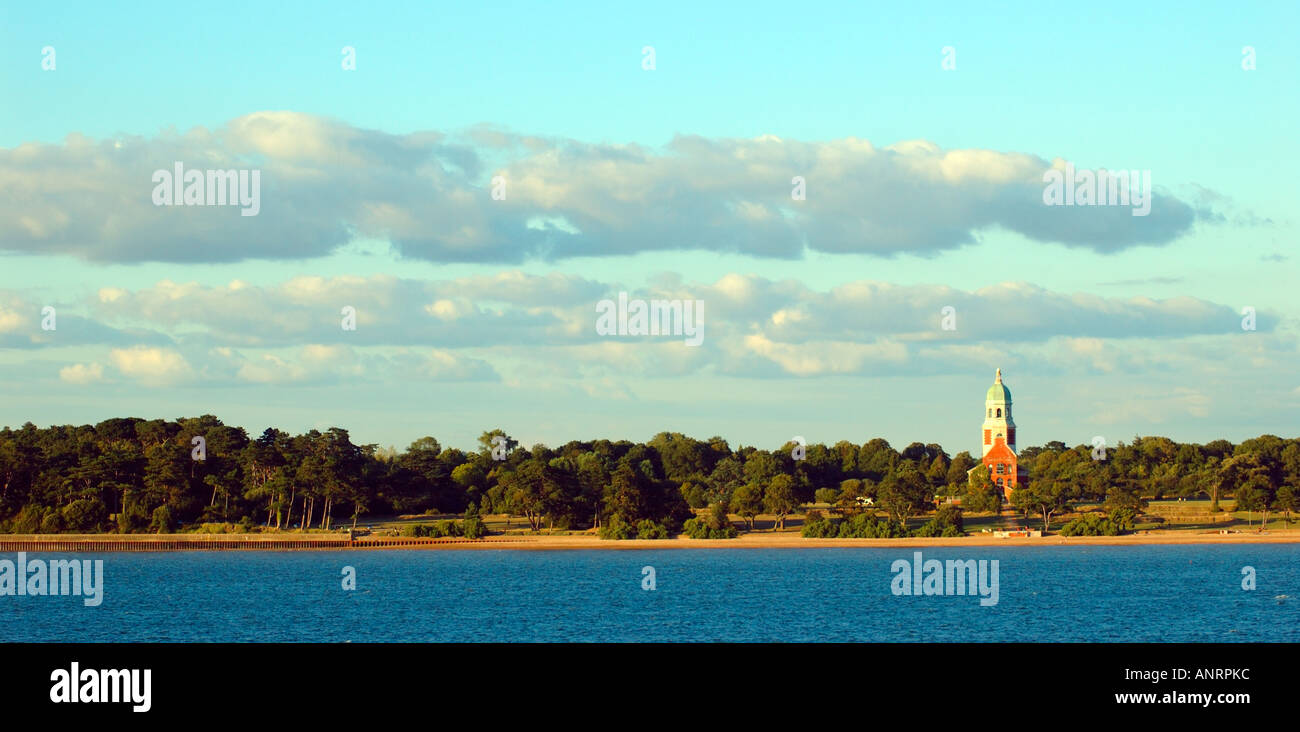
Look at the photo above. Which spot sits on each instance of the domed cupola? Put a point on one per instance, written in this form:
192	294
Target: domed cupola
998	425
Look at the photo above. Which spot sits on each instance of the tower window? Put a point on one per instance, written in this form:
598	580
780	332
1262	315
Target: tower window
990	412
999	411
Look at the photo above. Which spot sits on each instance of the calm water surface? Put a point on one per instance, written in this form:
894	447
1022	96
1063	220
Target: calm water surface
1183	593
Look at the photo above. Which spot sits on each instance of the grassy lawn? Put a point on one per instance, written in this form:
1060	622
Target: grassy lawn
1178	516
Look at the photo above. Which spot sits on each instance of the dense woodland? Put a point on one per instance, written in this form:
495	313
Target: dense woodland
133	475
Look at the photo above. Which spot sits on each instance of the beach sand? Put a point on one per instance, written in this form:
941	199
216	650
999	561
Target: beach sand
759	540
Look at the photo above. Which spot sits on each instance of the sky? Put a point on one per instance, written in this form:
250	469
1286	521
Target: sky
473	181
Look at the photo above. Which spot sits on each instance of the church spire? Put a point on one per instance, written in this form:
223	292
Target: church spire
997	378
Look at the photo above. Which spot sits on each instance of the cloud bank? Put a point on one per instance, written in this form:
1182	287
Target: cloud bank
325	183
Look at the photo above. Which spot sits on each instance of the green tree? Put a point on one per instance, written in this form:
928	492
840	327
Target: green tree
981	495
780	499
905	495
1045	498
85	515
1286	502
747	502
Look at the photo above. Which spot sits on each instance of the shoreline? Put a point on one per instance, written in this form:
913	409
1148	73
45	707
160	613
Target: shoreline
216	542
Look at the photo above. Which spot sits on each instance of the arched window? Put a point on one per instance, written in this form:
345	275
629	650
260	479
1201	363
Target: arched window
990	412
999	482
999	411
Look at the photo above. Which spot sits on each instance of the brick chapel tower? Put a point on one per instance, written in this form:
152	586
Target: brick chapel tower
999	437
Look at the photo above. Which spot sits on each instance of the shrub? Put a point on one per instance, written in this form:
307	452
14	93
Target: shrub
474	528
702	528
718	518
696	528
648	529
1123	518
131	520
29	520
87	514
726	532
946	522
1092	524
53	522
870	526
715	524
446	528
162	523
929	528
616	529
861	526
821	528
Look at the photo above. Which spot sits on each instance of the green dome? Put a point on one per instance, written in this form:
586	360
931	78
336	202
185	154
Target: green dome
998	392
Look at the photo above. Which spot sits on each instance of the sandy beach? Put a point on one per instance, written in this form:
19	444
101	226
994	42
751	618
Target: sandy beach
794	541
786	540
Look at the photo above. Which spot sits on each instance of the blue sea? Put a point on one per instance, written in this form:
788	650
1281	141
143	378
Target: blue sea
1106	594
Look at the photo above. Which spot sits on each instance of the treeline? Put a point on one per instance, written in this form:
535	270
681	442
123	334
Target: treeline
1262	474
133	475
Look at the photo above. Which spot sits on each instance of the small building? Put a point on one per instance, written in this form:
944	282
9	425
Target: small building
1022	533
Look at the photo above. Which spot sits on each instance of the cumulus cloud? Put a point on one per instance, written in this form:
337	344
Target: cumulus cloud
518	309
24	322
325	183
152	366
865	310
479	328
318	364
82	373
389	311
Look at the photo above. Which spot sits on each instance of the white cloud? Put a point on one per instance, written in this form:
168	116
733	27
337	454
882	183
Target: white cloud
152	366
326	183
821	358
82	373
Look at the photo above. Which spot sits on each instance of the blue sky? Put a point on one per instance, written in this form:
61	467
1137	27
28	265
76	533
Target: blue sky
1103	325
